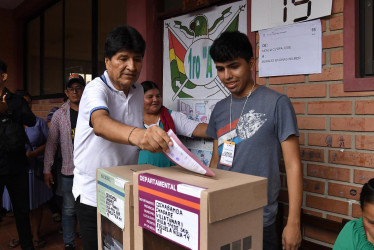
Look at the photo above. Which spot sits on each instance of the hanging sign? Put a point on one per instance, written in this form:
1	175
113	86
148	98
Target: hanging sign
273	13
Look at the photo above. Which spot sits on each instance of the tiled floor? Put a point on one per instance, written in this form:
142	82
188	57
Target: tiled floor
49	231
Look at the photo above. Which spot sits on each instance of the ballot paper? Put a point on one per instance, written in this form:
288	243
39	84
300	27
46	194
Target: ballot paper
181	156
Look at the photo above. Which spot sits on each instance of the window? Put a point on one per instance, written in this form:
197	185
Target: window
68	37
358	67
366	38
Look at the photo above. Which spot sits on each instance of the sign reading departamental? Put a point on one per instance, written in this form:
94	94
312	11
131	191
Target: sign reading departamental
170	209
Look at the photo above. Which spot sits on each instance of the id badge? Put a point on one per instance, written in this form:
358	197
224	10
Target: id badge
228	151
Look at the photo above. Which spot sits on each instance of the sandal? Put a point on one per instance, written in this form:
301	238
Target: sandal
56	217
40	243
13	243
79	235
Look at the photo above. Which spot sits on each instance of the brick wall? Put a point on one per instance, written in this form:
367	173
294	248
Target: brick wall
41	108
336	134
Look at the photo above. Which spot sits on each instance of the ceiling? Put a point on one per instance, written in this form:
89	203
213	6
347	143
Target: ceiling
10	4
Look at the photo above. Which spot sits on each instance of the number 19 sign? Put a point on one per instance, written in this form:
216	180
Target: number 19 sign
273	13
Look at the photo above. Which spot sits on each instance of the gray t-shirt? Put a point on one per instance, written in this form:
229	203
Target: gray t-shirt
268	119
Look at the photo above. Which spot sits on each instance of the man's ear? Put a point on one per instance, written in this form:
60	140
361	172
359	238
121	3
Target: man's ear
4	77
106	62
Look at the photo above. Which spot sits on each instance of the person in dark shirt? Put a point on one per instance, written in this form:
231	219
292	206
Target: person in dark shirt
13	173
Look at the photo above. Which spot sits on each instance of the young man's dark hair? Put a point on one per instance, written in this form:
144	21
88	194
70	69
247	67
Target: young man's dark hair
3	67
124	38
230	45
367	193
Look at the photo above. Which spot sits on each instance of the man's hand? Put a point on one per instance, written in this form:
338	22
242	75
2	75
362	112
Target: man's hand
291	237
153	139
48	180
3	105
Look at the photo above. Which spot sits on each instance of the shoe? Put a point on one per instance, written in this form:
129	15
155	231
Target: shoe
13	243
69	247
56	217
79	235
40	243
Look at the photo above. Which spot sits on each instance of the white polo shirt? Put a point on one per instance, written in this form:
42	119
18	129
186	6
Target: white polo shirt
91	151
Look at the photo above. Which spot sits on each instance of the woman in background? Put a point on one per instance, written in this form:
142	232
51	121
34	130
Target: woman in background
359	234
156	114
38	191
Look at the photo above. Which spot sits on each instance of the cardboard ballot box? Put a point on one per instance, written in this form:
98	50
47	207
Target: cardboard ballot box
198	212
115	206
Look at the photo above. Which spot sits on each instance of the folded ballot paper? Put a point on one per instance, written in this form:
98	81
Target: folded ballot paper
181	156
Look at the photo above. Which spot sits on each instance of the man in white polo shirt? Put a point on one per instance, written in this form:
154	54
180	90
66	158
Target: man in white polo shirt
109	127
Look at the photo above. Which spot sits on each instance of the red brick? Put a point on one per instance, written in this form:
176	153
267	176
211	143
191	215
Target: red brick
362	176
57	100
356	210
332	40
344	191
352	124
365	107
299	107
329	140
302	138
323	24
282	168
331	107
352	158
326	204
260	80
334	218
336	56
277	88
286	79
337	6
323	58
285	211
336	22
328	172
283	195
314	186
305	122
365	142
310	212
283	180
310	90
320	234
337	90
312	154
41	114
328	74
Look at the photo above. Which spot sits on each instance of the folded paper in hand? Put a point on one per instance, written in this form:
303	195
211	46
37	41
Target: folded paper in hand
181	156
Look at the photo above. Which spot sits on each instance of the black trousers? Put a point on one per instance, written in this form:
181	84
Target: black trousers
87	217
270	240
18	189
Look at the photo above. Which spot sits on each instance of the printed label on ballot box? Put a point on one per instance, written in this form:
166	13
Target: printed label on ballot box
111	197
170	209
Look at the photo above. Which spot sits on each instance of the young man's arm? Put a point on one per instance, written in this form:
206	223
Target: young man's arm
214	161
200	131
291	237
153	139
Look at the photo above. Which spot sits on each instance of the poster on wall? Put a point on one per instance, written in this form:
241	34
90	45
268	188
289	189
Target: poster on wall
268	14
190	81
188	69
291	50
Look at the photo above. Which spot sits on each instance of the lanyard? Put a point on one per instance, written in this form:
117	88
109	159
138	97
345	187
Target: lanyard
245	103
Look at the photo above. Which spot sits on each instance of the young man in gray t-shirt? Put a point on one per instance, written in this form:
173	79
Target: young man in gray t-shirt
252	128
